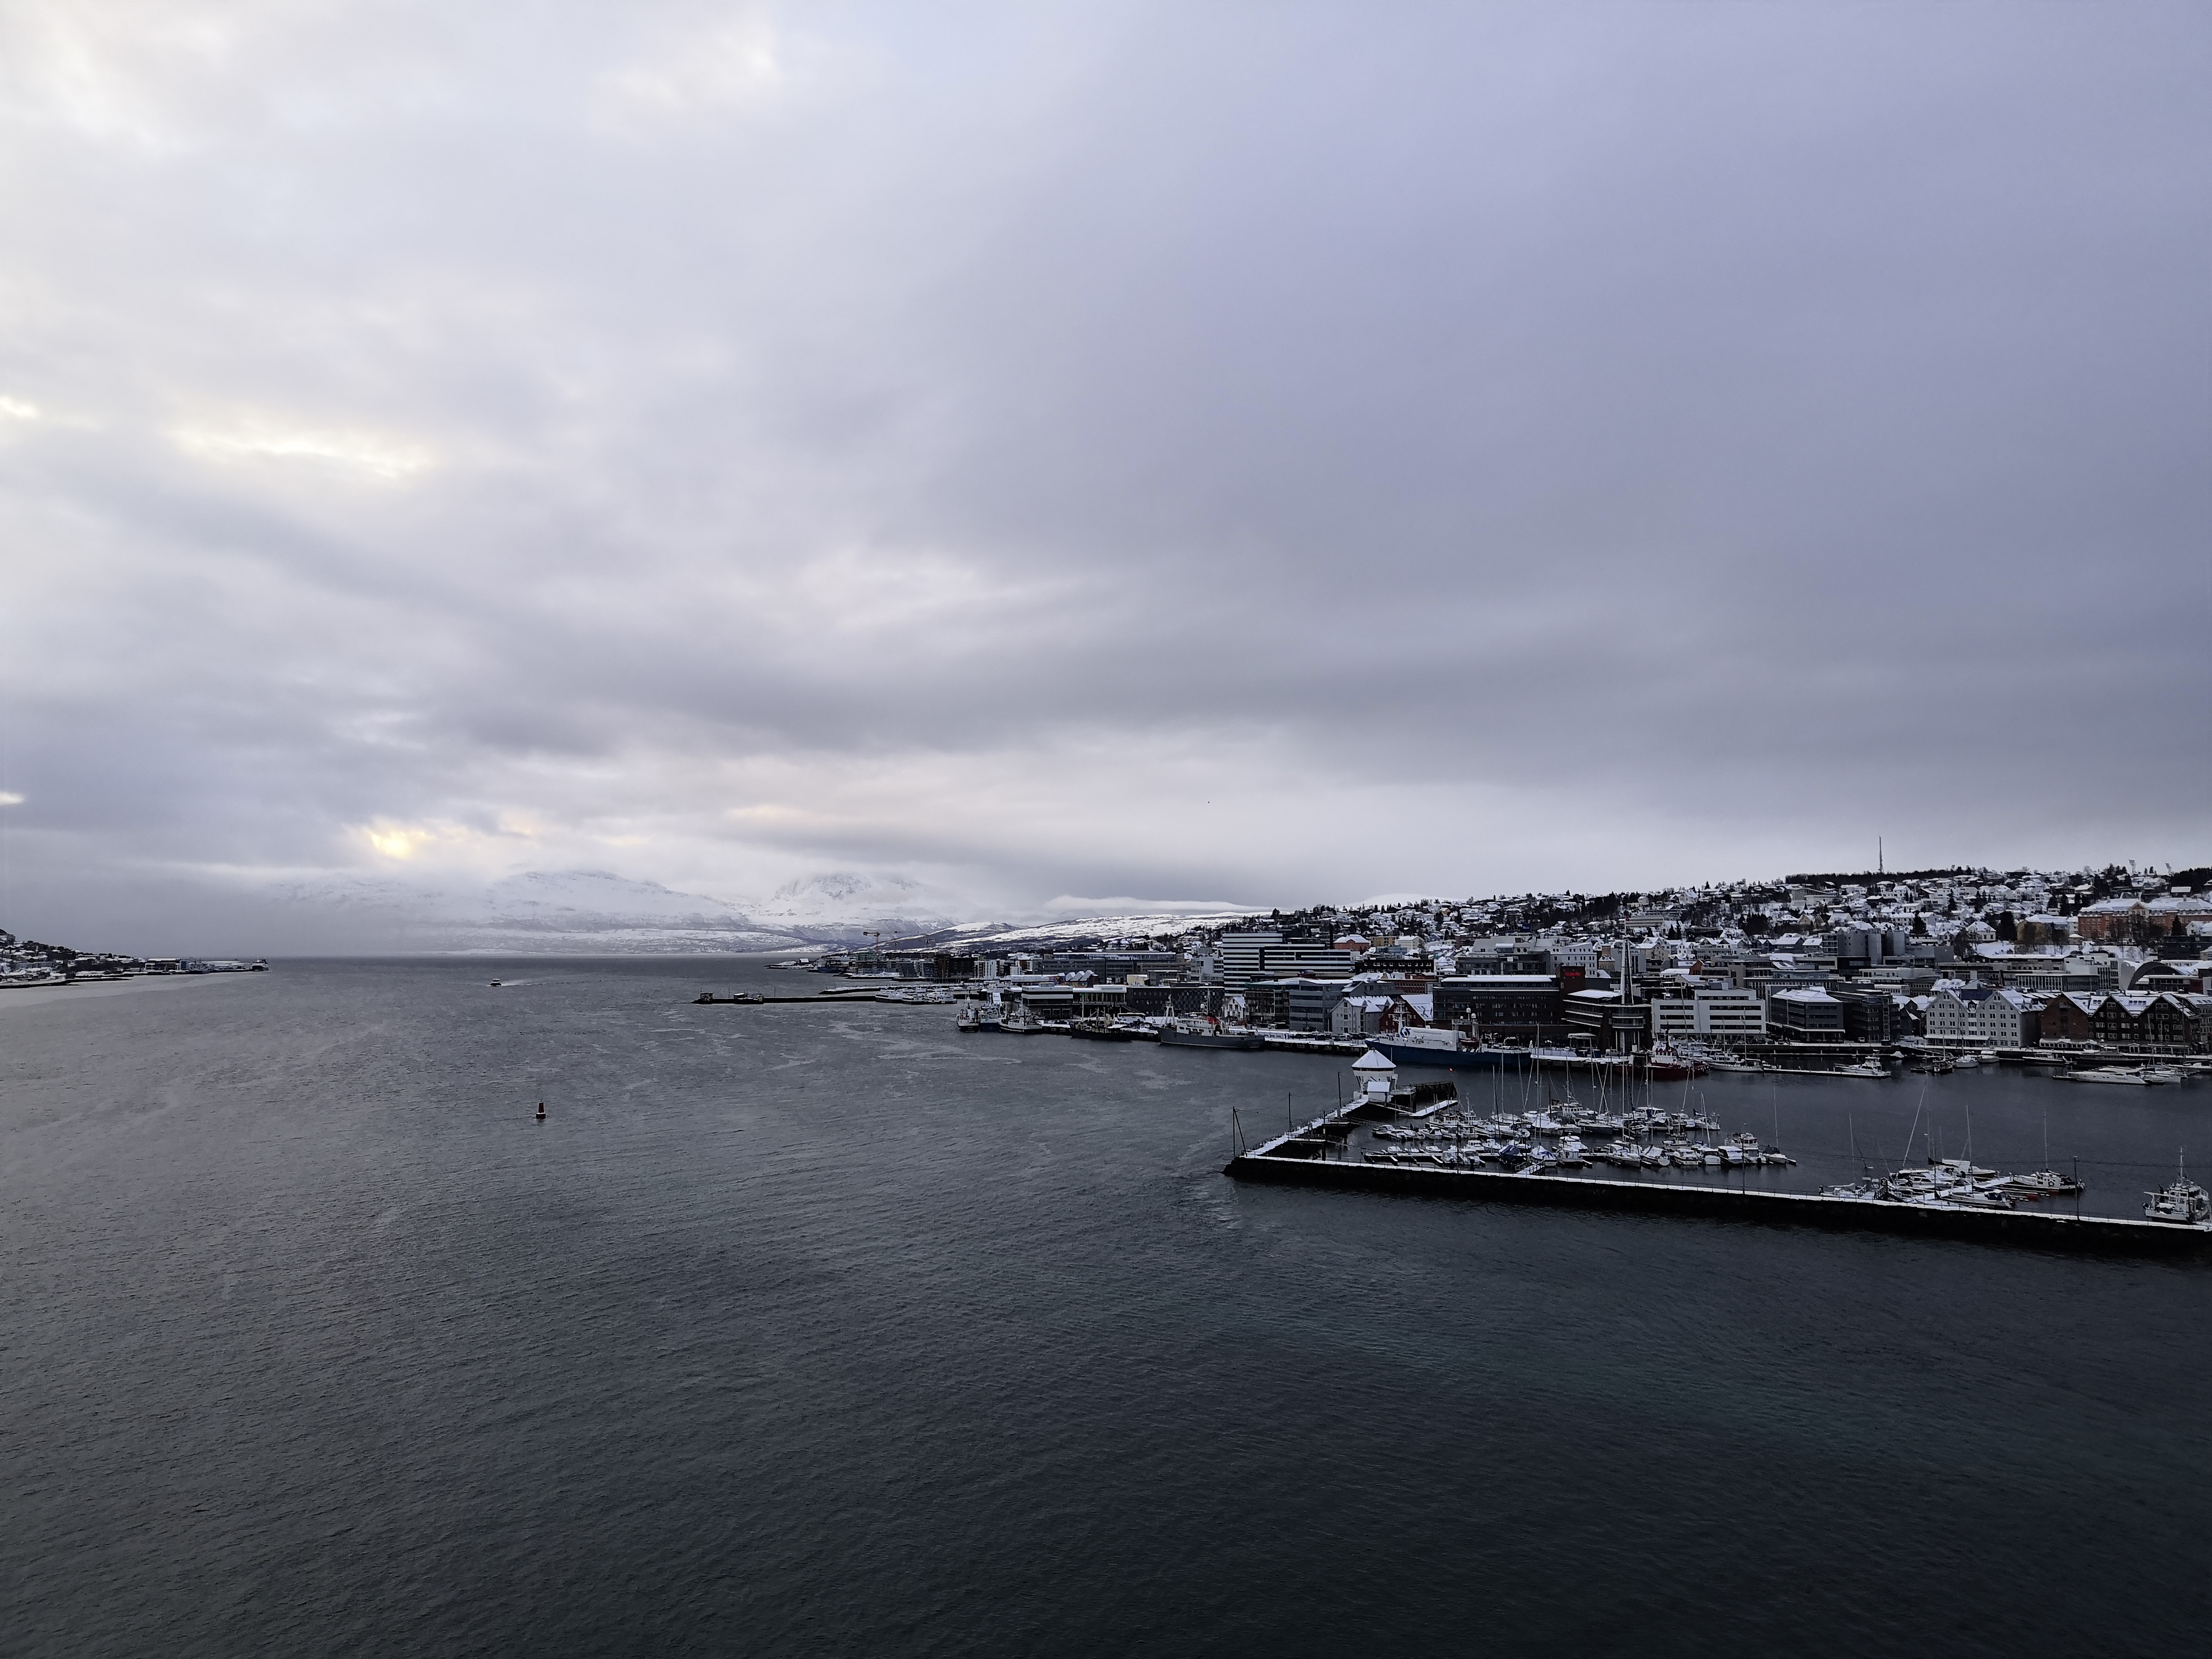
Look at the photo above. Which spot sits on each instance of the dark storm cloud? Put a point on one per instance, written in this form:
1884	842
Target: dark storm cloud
1136	450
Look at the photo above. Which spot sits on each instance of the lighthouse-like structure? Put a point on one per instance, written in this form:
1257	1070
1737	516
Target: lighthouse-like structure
1378	1077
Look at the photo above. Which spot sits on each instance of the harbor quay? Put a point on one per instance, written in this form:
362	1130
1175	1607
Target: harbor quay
1292	1167
1325	1153
2098	974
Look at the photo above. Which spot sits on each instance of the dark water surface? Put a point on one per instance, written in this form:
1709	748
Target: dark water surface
798	1331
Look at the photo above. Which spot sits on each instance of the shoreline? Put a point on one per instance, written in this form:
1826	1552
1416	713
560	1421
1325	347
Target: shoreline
15	997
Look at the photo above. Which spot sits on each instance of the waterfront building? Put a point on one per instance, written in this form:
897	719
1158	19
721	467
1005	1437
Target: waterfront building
1983	1017
1607	1020
1715	1012
1148	999
1503	1007
1870	1011
1804	1013
1293	1005
1361	1015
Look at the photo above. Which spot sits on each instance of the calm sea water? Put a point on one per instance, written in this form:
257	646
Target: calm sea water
796	1331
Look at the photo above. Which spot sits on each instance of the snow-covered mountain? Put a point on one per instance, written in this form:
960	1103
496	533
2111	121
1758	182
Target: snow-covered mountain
842	905
1143	925
598	912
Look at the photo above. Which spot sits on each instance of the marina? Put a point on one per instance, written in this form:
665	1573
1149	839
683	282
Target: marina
1425	1140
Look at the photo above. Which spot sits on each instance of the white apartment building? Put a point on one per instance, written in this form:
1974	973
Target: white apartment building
1981	1017
1718	1012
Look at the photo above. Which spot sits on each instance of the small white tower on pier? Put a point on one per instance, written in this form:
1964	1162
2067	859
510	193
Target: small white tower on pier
1377	1076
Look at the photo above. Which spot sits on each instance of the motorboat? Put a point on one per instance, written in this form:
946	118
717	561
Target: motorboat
2044	1183
2183	1203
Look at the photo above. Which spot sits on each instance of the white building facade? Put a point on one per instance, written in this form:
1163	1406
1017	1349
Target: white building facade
1981	1017
1715	1012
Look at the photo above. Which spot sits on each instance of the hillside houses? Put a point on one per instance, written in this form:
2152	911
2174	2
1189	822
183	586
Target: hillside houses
1955	957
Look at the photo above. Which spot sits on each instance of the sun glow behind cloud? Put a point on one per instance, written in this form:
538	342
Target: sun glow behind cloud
378	456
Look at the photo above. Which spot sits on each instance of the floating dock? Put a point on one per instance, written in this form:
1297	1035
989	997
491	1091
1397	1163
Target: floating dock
1300	1158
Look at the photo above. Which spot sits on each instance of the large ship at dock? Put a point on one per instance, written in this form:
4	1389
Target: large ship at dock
1207	1034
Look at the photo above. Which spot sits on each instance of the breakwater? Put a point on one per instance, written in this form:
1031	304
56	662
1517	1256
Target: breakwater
1301	1159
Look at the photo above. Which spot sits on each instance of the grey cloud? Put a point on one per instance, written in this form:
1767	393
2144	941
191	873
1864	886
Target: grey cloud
967	446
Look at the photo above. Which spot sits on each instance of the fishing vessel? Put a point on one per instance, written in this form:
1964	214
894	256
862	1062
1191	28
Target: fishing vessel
1207	1034
2184	1201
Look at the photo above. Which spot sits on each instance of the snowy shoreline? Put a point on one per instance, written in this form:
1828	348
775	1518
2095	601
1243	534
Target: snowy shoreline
13	997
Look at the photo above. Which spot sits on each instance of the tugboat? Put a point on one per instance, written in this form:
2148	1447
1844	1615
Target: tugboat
2184	1201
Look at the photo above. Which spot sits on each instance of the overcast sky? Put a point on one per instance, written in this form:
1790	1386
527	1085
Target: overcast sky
1250	453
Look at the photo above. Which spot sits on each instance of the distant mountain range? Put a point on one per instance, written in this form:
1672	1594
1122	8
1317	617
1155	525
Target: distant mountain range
596	912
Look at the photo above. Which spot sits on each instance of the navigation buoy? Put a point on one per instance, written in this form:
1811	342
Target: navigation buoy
541	1111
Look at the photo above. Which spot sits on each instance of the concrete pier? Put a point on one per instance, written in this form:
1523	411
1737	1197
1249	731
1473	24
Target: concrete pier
1289	1160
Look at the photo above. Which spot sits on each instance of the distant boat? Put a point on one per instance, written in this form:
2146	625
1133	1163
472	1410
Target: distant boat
541	1111
494	985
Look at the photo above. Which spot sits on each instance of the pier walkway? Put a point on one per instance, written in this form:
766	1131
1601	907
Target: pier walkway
1289	1160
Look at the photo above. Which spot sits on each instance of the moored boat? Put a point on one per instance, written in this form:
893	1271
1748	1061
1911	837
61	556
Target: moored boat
2183	1203
1208	1034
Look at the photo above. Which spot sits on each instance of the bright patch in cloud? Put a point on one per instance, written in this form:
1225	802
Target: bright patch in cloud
377	455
